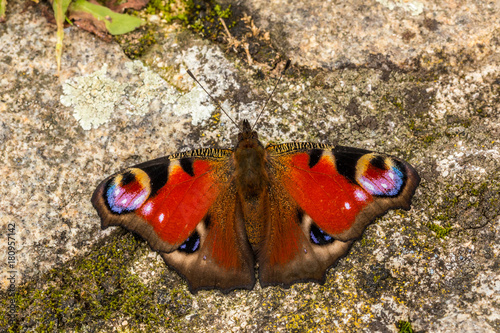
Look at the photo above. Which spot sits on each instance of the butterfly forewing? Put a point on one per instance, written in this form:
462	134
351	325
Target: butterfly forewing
185	206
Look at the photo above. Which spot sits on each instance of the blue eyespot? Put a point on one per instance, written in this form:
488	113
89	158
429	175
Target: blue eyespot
319	237
191	244
127	192
383	182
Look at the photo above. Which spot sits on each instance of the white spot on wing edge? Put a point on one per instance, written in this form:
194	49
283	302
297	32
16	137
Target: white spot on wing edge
360	195
147	208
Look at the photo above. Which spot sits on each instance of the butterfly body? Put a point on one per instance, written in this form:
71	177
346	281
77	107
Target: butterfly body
294	208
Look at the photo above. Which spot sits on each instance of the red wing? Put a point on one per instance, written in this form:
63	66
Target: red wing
218	254
333	193
287	255
174	204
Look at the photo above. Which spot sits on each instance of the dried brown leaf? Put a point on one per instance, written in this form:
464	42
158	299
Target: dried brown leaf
119	7
88	22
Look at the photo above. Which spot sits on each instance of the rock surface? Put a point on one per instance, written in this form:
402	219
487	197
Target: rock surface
415	79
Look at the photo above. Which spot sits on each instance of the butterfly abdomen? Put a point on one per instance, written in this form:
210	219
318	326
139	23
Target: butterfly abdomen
252	183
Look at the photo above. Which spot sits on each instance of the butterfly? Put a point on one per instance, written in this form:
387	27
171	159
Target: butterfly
294	208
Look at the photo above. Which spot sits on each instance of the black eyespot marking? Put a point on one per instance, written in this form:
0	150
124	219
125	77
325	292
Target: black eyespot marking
319	237
300	215
346	159
187	166
208	221
191	245
158	174
314	157
127	178
379	162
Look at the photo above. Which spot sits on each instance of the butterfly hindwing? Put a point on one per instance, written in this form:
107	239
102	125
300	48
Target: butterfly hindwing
186	207
224	258
334	193
287	255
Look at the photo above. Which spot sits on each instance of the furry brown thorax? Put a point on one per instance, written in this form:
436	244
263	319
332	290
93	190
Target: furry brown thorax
251	176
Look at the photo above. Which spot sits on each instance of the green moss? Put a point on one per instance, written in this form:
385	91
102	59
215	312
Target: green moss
222	13
136	43
367	242
97	288
478	190
441	232
429	139
171	10
156	6
460	200
404	326
394	100
200	16
205	18
411	125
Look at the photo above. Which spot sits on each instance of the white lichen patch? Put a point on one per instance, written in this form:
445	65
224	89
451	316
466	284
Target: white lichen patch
488	285
202	60
93	97
449	164
196	104
218	80
452	163
414	7
455	96
463	319
96	97
148	88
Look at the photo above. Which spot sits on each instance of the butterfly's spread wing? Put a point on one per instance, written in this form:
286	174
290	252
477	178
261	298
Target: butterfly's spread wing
321	198
186	207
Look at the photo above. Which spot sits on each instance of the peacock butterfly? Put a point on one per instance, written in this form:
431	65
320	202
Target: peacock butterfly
294	209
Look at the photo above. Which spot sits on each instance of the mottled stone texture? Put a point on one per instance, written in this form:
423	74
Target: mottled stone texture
416	79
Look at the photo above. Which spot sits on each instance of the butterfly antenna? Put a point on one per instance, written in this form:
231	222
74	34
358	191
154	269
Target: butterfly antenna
271	95
213	99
